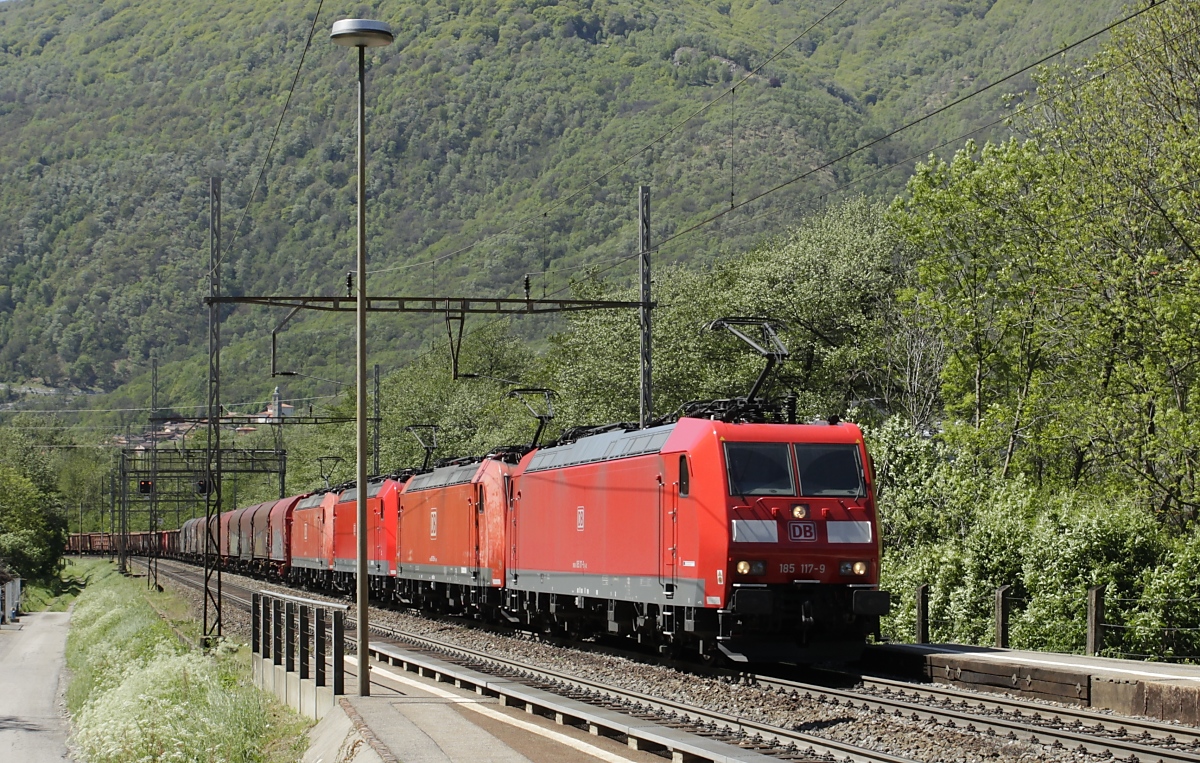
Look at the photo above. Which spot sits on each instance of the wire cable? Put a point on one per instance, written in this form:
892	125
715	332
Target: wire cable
709	220
1024	108
161	407
913	123
271	147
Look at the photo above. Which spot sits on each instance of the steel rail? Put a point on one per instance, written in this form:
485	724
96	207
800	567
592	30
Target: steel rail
734	725
1119	725
818	748
1011	729
915	710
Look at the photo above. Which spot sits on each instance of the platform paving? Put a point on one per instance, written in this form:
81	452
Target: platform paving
33	723
418	720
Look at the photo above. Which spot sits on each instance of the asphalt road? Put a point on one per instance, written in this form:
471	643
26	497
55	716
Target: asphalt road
33	725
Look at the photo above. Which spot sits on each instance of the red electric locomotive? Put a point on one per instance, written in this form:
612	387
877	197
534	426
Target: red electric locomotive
757	541
450	552
312	539
382	518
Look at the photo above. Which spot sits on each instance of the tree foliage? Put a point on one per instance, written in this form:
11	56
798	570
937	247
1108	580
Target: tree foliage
32	522
1062	272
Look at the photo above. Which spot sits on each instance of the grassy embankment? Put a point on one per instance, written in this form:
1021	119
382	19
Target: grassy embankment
137	692
57	594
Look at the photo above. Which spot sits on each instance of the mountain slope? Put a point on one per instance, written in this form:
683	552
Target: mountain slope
482	116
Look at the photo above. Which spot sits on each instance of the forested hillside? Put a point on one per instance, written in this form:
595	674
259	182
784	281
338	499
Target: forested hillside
483	116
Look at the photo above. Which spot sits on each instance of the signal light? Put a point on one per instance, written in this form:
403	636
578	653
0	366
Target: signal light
145	487
201	487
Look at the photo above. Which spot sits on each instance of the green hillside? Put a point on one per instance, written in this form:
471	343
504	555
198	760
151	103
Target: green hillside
483	116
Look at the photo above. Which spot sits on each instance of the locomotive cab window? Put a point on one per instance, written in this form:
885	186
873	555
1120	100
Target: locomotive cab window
830	469
684	480
759	468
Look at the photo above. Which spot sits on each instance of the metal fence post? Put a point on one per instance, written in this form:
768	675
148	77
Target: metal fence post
276	631
264	627
319	637
305	636
255	622
289	635
1002	616
1095	620
339	656
922	633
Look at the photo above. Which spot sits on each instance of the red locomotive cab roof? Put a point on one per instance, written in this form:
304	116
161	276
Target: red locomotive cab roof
446	476
375	489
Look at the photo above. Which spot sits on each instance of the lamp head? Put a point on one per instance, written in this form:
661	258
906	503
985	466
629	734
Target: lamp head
361	33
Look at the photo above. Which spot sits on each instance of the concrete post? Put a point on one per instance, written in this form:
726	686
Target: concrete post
289	636
255	622
276	631
319	662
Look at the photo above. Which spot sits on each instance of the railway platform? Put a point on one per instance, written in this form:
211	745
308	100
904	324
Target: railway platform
1165	691
423	718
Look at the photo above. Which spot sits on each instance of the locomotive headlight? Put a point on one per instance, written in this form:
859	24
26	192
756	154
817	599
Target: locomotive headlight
860	568
751	568
853	568
800	511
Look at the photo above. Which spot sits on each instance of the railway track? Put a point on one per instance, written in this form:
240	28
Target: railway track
783	744
1062	730
1058	727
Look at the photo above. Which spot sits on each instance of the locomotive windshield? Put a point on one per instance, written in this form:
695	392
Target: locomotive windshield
759	468
829	470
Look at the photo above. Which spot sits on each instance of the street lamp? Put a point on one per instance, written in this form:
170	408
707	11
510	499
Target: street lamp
362	34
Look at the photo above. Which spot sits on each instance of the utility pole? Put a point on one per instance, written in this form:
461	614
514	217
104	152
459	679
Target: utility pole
153	551
112	511
647	406
212	461
123	537
375	446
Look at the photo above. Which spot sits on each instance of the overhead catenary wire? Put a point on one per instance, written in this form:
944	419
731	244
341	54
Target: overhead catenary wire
1095	76
808	173
870	144
161	407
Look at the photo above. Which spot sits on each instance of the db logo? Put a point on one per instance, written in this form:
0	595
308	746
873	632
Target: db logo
802	531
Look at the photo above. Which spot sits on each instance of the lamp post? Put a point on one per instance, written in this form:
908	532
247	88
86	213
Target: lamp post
362	34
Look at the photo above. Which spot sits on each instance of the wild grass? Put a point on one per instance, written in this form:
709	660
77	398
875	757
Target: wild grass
56	595
138	694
